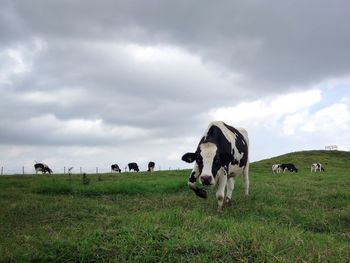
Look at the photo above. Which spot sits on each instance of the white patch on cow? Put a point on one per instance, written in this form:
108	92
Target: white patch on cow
208	152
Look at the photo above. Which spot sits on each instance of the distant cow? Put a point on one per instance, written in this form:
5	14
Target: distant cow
276	168
133	166
317	167
221	155
41	167
151	167
288	167
115	167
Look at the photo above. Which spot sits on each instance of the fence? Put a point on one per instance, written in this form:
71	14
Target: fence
27	170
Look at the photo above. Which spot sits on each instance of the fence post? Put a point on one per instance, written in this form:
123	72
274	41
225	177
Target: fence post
22	169
80	169
64	170
2	170
96	170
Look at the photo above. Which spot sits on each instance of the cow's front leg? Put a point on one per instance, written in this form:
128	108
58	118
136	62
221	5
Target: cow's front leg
220	193
229	189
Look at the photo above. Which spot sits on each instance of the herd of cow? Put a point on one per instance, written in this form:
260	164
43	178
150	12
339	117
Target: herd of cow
279	168
44	168
221	155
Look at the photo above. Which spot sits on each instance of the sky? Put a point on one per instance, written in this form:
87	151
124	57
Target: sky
90	83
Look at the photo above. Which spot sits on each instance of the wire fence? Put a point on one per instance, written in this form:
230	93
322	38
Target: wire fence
27	170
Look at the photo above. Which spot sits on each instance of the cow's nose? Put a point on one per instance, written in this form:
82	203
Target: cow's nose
206	179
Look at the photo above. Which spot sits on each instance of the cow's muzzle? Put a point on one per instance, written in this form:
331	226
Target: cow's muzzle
206	179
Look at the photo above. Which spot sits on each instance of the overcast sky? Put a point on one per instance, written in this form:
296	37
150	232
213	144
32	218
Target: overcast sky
91	83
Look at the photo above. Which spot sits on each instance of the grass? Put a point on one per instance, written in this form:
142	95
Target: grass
299	217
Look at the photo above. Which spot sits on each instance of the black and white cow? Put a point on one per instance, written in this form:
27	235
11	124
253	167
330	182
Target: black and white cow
288	167
276	168
115	168
221	155
317	167
151	166
41	167
133	166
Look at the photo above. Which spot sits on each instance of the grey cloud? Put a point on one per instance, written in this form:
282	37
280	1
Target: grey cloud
273	46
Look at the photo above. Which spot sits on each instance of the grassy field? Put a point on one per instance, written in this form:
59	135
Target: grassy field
146	217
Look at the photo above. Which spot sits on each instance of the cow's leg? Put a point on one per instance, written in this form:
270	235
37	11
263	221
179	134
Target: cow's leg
229	189
220	193
246	179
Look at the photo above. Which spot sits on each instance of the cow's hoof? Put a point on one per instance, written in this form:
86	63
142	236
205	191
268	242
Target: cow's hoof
228	202
220	209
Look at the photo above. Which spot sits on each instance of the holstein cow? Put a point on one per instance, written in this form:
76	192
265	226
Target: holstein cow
151	167
317	167
288	167
41	167
115	167
133	166
276	168
221	155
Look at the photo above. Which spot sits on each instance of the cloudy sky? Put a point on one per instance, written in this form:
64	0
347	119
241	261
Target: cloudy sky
90	83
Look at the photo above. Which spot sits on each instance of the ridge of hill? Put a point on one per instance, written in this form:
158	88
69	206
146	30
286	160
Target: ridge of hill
333	160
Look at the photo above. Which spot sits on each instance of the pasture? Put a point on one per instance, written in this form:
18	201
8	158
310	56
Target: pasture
143	217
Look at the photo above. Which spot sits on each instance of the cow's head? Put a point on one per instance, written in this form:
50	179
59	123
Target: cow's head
209	161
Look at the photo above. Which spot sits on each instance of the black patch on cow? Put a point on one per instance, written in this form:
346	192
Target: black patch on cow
192	178
241	145
133	166
289	167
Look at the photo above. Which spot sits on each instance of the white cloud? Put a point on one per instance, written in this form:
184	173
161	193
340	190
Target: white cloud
268	112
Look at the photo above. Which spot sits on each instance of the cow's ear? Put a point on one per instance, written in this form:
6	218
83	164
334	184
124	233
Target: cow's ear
189	157
226	158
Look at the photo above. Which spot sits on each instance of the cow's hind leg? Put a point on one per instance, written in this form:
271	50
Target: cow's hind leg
220	193
229	189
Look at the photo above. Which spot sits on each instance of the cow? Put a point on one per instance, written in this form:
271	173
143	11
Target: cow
151	166
221	155
317	167
288	167
276	168
115	167
133	166
41	167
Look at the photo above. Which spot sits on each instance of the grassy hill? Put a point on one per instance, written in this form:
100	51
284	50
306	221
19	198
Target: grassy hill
331	160
143	217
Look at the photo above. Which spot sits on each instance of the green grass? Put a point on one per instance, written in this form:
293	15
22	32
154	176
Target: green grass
299	217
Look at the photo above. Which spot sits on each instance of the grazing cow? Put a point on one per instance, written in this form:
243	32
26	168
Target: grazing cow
133	166
288	167
115	167
276	168
151	167
317	167
41	167
221	155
